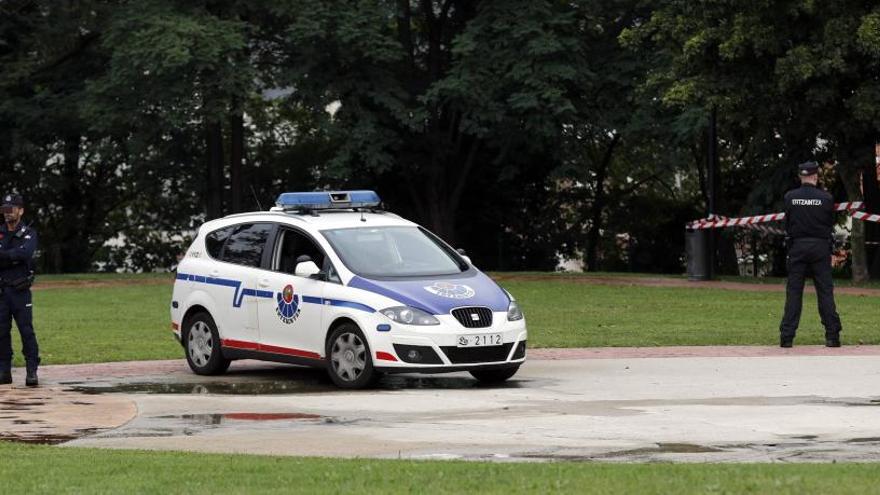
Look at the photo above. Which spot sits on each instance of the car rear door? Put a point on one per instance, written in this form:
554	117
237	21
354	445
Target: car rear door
235	278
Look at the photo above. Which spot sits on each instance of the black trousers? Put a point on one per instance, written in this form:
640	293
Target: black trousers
809	257
16	304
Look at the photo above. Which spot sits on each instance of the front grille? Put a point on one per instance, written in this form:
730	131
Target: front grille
475	317
459	355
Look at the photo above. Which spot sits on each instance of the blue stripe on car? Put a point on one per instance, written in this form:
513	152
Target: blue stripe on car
410	292
338	302
239	294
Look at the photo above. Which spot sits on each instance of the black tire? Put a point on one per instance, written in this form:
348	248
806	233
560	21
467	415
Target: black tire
203	352
349	359
495	376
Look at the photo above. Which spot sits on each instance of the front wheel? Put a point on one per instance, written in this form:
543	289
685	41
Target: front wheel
202	344
494	376
350	362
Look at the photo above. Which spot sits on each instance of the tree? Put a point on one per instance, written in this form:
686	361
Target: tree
435	94
786	74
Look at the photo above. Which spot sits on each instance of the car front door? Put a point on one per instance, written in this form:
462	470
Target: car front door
291	322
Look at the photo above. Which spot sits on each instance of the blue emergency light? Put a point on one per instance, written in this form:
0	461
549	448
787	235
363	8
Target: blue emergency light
320	200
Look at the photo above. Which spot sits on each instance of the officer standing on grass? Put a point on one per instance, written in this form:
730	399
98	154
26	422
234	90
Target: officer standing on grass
809	223
18	243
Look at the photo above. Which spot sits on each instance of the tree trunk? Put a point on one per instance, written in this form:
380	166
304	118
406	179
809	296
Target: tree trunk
72	255
236	160
599	201
214	154
871	190
850	177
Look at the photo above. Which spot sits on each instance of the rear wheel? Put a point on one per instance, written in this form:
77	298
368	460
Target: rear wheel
350	362
494	376
202	343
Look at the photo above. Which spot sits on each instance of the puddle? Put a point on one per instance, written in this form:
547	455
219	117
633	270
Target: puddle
281	387
220	388
864	440
196	424
666	448
26	421
216	419
36	438
5	404
402	382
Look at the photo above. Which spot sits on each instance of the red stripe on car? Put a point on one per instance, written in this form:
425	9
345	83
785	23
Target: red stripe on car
288	351
272	349
385	356
240	344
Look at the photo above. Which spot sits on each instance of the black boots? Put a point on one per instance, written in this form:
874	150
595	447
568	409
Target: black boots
31	378
785	342
832	341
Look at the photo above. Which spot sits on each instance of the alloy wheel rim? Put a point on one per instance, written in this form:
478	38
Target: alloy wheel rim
200	343
348	356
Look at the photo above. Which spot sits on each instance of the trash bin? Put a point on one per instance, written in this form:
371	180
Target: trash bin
696	243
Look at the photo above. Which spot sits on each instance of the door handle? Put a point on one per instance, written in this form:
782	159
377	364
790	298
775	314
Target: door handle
214	274
264	282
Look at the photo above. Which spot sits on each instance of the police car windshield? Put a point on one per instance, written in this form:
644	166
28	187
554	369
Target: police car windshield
393	252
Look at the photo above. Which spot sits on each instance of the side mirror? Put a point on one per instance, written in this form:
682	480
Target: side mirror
306	269
464	255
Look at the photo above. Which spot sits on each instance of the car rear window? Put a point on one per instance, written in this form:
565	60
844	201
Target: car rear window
246	244
215	240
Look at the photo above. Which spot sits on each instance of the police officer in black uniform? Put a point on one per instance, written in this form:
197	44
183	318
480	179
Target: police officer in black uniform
18	243
809	223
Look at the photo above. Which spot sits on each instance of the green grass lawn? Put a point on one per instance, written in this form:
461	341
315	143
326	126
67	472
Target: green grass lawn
131	321
565	314
41	469
118	323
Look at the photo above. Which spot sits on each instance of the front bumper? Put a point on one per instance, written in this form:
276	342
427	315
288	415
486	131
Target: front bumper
434	349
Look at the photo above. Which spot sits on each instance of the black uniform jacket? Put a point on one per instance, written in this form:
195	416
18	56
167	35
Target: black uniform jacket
17	250
809	213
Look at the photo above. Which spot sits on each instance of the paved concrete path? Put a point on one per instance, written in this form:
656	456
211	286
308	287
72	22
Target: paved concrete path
731	404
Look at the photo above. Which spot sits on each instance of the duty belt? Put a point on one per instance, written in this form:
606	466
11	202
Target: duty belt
823	239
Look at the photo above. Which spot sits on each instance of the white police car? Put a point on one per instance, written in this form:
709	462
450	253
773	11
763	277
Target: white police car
327	279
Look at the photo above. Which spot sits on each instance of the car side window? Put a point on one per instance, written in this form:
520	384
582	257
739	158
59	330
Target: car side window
294	245
214	241
330	270
246	243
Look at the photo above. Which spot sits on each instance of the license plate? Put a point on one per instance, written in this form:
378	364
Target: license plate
482	340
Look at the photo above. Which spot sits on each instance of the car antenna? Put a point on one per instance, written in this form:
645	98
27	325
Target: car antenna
256	198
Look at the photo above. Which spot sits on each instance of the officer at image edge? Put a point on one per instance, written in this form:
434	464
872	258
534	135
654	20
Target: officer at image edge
809	224
18	243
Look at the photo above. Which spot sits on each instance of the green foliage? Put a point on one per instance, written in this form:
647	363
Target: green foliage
515	129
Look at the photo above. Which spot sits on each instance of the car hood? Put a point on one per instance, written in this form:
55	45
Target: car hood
439	295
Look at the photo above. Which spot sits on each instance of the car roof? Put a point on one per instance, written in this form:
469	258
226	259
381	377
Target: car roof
321	220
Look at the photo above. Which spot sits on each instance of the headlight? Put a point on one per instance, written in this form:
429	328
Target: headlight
409	316
513	312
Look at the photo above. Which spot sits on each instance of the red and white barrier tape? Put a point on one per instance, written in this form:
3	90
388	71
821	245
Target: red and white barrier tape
715	221
867	217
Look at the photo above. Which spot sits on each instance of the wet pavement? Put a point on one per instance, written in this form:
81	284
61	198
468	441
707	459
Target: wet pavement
50	415
783	408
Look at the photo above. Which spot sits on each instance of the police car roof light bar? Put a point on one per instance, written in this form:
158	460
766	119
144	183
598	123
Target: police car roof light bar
328	200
